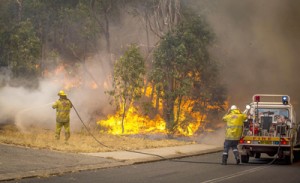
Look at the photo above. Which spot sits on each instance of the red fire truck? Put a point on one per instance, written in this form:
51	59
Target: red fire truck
271	128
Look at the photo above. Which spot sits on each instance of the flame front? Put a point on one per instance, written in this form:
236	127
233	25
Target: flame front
188	122
134	123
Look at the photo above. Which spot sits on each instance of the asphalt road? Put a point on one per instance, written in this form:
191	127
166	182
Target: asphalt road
204	168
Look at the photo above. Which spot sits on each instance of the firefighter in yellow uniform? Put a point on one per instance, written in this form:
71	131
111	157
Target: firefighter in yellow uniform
63	107
234	120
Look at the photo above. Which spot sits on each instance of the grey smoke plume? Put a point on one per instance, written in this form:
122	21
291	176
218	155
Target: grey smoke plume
257	45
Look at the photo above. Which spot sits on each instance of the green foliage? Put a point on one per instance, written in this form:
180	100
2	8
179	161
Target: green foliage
80	32
21	50
182	68
129	73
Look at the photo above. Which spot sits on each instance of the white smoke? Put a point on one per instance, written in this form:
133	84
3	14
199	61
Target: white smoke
26	108
212	138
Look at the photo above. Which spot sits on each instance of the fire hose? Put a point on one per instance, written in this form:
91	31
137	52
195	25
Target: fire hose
133	151
99	142
277	153
279	147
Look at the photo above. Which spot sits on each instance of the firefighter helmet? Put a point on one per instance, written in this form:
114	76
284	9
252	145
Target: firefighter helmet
62	93
233	107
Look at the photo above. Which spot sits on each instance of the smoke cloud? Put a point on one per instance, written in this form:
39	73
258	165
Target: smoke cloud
33	108
212	138
257	46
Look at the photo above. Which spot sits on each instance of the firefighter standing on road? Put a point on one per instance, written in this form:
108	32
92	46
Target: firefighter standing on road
63	107
234	119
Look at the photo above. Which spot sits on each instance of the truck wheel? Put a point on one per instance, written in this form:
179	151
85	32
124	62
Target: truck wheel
289	159
245	158
296	155
257	155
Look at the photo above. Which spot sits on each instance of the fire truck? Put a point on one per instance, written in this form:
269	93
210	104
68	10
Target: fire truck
271	128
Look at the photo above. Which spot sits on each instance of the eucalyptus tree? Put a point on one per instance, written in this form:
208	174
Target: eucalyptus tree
128	82
158	17
22	50
104	12
182	69
19	43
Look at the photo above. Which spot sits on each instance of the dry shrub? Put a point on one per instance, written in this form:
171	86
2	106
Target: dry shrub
80	142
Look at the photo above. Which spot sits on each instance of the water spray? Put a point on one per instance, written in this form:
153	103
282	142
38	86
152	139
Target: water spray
20	113
31	108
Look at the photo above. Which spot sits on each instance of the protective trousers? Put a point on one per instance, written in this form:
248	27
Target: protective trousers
227	145
59	126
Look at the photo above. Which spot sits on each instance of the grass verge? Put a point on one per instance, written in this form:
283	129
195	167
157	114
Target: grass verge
80	142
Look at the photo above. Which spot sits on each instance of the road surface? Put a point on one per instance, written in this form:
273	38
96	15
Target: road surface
204	168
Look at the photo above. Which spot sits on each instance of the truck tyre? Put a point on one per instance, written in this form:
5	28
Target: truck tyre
290	159
245	158
296	155
257	155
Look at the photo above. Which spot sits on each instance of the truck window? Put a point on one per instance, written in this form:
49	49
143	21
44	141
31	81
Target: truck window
273	112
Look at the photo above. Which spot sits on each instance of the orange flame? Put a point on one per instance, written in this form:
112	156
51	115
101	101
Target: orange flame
135	123
68	79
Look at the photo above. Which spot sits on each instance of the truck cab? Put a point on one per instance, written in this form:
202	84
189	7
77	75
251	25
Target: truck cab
271	128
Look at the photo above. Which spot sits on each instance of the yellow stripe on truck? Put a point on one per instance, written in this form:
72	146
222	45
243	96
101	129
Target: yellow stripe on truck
264	138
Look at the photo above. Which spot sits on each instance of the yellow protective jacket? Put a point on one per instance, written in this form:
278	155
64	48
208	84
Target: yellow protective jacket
63	107
234	120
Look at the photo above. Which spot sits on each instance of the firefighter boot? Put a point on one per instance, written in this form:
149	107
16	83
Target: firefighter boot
237	157
224	159
67	136
57	136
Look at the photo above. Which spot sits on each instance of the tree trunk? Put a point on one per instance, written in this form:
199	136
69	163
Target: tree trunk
178	110
123	116
20	4
106	33
157	99
168	106
165	17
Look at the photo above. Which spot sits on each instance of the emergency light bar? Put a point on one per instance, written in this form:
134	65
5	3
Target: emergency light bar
271	98
285	100
257	98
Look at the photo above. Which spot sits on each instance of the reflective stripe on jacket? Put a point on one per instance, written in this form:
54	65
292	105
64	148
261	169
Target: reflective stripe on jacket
63	107
234	120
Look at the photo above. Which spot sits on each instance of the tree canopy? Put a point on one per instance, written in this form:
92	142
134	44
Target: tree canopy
128	83
191	74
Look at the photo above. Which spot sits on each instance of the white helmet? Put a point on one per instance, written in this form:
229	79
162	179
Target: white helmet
233	107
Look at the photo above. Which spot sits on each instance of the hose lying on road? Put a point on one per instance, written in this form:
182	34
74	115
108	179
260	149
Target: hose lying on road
88	130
